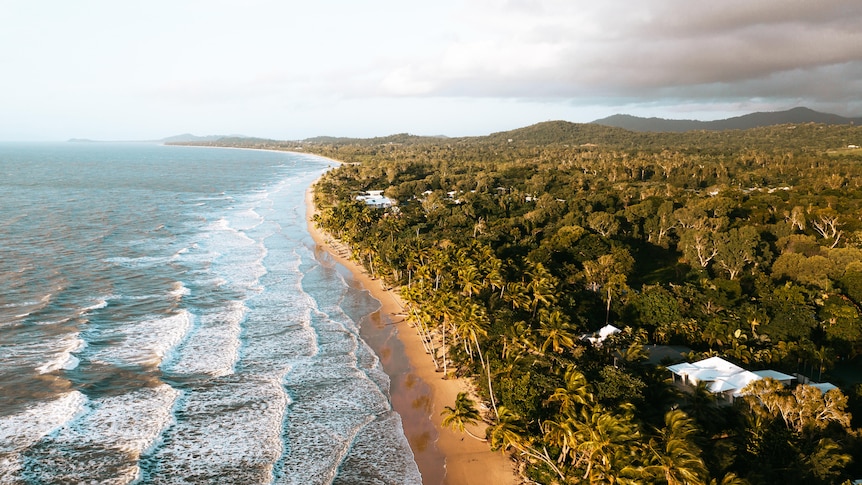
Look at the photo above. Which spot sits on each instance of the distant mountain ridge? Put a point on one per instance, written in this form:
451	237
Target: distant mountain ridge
744	122
189	138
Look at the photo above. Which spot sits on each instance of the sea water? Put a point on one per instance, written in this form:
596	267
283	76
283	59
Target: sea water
163	319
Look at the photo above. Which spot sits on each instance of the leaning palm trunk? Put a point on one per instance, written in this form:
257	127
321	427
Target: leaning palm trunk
487	368
445	371
425	336
544	456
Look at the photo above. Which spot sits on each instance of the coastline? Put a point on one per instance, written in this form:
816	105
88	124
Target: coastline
418	392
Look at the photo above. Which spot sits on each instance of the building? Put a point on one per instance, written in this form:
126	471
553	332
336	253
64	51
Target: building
599	336
723	378
376	199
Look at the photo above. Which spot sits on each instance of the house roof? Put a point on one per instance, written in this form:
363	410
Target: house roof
682	368
599	336
778	376
736	382
823	386
607	331
723	376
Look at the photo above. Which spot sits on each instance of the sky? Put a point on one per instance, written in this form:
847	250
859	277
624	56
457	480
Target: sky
289	70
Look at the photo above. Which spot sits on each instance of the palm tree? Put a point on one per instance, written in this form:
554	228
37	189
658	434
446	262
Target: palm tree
516	294
562	434
673	456
555	329
508	433
468	277
635	353
542	286
601	434
464	413
472	322
491	267
443	308
729	479
518	336
576	393
700	404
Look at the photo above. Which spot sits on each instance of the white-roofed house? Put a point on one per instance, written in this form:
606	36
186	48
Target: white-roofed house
721	377
784	379
376	199
824	387
596	338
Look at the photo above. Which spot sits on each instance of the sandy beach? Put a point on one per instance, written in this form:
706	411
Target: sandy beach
419	394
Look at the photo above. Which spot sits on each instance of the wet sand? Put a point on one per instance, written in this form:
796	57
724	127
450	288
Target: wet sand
419	393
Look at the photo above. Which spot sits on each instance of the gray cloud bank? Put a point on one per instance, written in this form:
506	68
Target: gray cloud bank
666	51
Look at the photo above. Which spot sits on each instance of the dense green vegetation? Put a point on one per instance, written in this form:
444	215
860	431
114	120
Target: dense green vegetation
742	244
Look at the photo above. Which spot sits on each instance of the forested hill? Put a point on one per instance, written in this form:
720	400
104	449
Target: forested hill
739	244
399	139
752	120
563	133
582	136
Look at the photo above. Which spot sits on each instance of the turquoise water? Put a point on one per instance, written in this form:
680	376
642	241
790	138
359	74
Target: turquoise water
163	320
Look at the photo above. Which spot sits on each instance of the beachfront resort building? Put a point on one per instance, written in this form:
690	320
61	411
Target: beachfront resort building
725	379
376	199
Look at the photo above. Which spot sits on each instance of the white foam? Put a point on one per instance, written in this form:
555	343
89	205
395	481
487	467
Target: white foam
179	254
53	322
105	444
332	406
29	307
228	432
145	342
139	262
246	220
178	290
213	347
95	306
270	348
62	357
235	255
20	431
380	453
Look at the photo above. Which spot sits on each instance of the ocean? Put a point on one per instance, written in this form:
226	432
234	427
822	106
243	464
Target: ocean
164	320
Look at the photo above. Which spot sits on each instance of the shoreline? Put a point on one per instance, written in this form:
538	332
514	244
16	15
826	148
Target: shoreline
417	392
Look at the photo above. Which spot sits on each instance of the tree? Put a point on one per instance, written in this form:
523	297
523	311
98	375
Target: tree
601	435
699	246
462	414
575	395
554	328
472	322
508	434
607	275
805	409
542	286
791	315
737	249
828	225
603	223
659	225
813	270
673	457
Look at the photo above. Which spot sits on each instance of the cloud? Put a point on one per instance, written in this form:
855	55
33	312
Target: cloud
625	50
